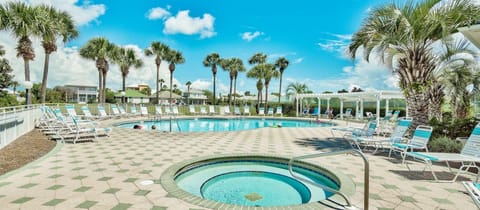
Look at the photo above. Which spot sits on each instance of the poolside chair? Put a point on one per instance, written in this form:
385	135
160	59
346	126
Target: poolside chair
236	110
88	114
419	141
473	188
79	132
381	143
117	110
279	111
349	129
261	111
175	110
347	114
158	110
270	111
71	110
191	109
168	110
203	110
246	110
394	116
211	110
133	111
467	157
226	110
354	135
103	113
143	111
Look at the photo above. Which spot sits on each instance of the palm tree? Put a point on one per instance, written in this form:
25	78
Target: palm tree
56	23
226	66
281	64
188	91
212	60
22	20
99	49
161	81
269	72
236	66
173	57
126	58
159	50
296	88
257	58
403	35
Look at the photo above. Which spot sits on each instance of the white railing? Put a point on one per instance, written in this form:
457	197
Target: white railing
17	121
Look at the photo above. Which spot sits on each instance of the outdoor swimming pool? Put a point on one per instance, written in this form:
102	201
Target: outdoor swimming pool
243	180
221	124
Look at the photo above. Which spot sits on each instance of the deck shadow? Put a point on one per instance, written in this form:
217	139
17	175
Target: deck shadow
427	175
329	144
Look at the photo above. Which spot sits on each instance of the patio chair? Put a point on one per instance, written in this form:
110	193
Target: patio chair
364	133
261	111
270	111
168	111
236	110
467	157
419	141
226	110
158	110
347	114
203	110
381	143
191	109
350	129
103	113
246	110
175	110
133	111
279	111
143	111
88	114
71	110
211	110
120	110
473	188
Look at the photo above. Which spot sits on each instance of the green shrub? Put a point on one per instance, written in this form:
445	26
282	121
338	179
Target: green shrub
453	128
444	144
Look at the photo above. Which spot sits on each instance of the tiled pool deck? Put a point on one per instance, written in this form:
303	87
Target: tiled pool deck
106	174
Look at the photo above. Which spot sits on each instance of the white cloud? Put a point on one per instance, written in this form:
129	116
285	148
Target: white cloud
157	13
298	60
339	44
82	11
182	23
249	36
201	84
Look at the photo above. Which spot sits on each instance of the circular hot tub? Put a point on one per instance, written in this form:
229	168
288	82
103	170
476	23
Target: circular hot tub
252	180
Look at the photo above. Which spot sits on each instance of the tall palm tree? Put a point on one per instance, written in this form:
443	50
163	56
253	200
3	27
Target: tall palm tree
403	35
24	22
126	58
56	24
236	66
269	72
161	81
226	65
100	50
281	64
173	57
257	58
188	91
212	60
159	50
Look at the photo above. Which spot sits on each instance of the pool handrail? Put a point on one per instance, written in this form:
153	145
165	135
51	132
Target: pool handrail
366	184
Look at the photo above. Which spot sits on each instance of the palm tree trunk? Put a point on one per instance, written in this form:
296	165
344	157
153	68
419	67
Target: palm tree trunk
418	105
214	83
280	89
28	95
123	87
230	95
158	90
44	79
234	90
100	83
266	97
104	89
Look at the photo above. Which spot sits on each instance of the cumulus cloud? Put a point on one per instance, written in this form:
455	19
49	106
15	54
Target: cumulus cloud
339	43
249	36
157	13
82	11
200	84
183	23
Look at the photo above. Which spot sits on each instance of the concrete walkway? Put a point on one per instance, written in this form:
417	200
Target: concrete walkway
106	174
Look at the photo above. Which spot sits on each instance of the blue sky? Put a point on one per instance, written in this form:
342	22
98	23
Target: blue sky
312	35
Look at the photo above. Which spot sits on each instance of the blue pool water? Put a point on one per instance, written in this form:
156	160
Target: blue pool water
215	124
253	183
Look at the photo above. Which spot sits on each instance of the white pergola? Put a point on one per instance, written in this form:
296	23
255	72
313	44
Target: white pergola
358	97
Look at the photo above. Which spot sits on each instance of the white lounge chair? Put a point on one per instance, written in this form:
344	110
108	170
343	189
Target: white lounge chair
143	111
226	110
270	111
261	111
246	110
396	136
349	129
279	111
191	109
473	188
168	110
468	156
419	141
354	135
88	114
236	110
203	110
133	111
211	110
175	110
103	113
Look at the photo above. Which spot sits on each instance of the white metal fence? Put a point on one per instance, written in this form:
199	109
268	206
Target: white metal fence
17	121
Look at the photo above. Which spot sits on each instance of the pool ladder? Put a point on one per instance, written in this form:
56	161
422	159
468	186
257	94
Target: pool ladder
366	175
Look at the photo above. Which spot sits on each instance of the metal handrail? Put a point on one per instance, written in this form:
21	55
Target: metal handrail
329	189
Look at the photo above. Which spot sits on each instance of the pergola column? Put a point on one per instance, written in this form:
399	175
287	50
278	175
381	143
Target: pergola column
356	109
386	107
319	107
378	110
361	108
296	106
328	106
341	108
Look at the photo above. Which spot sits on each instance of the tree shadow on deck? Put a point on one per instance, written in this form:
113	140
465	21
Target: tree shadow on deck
328	144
